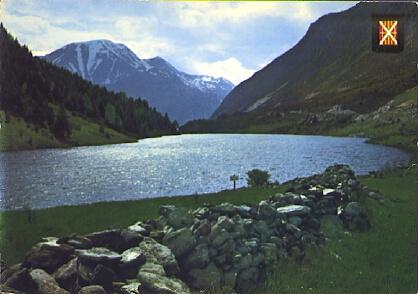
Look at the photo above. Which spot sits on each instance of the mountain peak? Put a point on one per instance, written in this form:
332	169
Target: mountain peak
159	62
96	41
100	44
88	58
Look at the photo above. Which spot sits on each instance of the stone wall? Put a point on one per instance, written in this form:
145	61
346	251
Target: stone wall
183	251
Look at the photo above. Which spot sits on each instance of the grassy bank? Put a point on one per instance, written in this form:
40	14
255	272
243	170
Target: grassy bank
16	134
395	127
382	260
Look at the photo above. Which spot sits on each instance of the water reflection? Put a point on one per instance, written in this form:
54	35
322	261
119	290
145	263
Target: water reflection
173	165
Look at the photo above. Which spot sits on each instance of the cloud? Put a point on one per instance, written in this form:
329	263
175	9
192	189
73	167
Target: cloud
150	47
138	33
44	36
231	69
209	14
230	39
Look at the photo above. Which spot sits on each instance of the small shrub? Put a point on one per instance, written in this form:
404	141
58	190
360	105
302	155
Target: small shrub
257	178
102	129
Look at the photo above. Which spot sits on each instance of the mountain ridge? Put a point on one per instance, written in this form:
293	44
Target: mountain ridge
118	68
332	64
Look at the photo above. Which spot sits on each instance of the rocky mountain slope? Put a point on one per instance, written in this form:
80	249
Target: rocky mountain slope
115	66
332	64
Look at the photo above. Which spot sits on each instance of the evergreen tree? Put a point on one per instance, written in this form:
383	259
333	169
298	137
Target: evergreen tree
61	127
110	115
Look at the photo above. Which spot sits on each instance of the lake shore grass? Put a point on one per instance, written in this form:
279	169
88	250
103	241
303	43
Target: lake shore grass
382	260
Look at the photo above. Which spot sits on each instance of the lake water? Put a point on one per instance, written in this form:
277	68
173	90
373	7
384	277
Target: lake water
174	165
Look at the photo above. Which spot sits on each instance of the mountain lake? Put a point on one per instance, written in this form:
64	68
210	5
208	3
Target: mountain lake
174	165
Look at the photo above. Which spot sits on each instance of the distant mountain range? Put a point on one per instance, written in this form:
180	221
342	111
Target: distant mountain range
183	96
333	64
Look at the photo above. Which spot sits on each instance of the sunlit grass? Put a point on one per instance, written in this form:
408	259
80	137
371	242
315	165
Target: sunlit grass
17	134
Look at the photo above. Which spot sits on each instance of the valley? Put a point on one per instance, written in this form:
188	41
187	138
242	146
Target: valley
124	174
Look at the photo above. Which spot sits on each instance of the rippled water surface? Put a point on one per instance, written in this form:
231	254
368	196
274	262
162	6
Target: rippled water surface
173	165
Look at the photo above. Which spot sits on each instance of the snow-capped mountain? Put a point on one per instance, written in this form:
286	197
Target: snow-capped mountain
183	96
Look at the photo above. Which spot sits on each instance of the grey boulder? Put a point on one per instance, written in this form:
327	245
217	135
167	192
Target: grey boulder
291	210
93	289
180	242
98	255
45	284
198	258
159	254
206	278
162	285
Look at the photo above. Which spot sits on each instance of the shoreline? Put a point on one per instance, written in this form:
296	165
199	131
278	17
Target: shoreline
180	196
367	139
168	198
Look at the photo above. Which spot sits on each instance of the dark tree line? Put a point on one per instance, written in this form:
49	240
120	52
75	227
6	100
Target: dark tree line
31	86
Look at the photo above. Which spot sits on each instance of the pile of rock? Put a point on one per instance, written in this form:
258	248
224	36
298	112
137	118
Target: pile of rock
182	251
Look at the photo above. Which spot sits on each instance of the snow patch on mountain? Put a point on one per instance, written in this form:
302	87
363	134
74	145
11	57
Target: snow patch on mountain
80	60
204	83
72	67
92	52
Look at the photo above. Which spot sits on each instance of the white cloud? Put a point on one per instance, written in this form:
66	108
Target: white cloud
44	36
209	14
139	35
134	27
150	47
231	69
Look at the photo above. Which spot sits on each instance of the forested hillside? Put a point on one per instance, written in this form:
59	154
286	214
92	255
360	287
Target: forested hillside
44	96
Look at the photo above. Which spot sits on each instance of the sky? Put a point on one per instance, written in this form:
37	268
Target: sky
221	39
